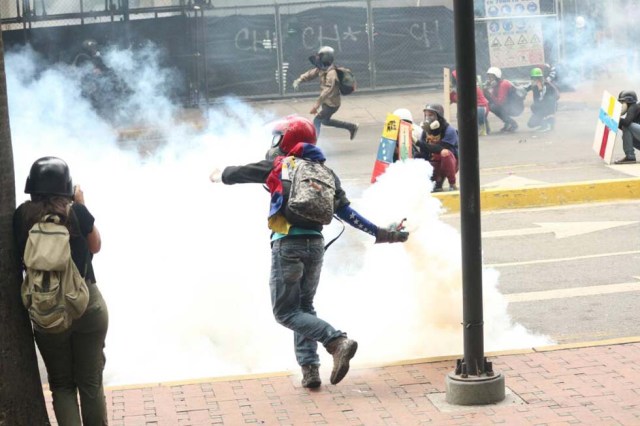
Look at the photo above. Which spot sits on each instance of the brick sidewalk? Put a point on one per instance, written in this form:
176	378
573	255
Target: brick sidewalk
597	385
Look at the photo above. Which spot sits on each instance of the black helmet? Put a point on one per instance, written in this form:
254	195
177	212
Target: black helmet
435	108
49	176
628	97
324	58
90	46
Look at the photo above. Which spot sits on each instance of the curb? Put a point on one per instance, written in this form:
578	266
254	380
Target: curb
548	195
428	360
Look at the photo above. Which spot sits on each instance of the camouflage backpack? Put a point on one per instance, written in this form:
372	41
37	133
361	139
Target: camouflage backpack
311	200
53	291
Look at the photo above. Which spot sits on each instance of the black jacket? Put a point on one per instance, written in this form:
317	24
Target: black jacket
632	116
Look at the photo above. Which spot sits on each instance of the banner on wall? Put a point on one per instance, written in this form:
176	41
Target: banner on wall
515	36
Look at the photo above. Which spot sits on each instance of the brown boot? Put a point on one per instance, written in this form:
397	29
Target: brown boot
343	350
310	376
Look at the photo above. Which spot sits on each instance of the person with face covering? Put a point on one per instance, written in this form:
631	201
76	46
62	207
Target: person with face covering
439	145
499	93
545	102
630	126
329	100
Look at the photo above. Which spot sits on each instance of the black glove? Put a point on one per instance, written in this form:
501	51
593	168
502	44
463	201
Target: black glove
391	236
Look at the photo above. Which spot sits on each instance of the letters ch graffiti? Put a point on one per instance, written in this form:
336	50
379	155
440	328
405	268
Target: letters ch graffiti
247	39
423	33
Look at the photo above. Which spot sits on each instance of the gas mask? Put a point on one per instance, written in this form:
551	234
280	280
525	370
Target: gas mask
625	107
430	125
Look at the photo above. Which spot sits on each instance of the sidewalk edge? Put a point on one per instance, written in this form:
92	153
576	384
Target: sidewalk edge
452	357
548	195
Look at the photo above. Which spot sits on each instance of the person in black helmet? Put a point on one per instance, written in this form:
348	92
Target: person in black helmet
90	55
438	144
329	100
74	358
630	126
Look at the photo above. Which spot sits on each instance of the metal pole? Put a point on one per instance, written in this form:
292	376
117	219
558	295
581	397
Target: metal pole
474	381
279	53
372	44
469	189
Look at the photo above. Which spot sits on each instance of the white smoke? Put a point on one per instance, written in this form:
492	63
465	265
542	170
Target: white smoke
184	265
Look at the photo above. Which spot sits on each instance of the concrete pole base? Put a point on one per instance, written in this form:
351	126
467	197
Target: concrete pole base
474	390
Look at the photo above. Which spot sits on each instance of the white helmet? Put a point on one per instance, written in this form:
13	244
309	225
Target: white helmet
495	71
404	114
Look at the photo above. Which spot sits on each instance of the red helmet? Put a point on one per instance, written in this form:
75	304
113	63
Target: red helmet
292	130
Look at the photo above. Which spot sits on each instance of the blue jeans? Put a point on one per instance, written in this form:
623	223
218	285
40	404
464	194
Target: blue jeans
295	272
631	140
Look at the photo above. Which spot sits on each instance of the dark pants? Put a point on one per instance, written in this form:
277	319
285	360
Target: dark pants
503	113
75	362
324	118
543	115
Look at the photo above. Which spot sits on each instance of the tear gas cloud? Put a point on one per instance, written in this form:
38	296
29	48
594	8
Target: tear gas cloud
184	265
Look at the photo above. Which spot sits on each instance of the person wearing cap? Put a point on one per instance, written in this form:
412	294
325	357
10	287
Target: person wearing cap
438	144
630	126
74	358
329	100
545	102
500	94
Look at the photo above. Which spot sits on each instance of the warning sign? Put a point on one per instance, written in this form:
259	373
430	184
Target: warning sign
517	41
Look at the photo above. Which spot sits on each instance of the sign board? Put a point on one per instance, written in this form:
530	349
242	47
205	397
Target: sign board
387	146
514	42
607	127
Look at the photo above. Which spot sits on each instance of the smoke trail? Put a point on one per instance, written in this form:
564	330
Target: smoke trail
184	264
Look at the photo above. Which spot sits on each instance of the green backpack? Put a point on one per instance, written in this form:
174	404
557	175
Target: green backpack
53	291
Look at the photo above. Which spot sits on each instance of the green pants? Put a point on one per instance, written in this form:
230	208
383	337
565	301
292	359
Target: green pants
75	362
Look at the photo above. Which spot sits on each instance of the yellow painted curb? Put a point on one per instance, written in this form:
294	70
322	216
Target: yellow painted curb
548	195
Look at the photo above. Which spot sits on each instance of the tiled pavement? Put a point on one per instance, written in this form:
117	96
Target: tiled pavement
597	384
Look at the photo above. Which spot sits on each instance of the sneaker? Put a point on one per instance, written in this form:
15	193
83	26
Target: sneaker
437	187
625	160
353	132
544	128
311	377
512	127
343	350
453	187
505	128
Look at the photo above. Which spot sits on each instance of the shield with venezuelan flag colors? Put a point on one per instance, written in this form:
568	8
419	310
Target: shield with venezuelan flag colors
387	146
607	128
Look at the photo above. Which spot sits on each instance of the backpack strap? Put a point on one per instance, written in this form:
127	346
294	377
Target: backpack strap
76	225
336	237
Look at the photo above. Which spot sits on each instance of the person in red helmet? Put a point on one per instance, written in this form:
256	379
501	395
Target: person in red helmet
297	251
483	105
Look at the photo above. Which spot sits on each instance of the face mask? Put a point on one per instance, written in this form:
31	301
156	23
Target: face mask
431	126
624	109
